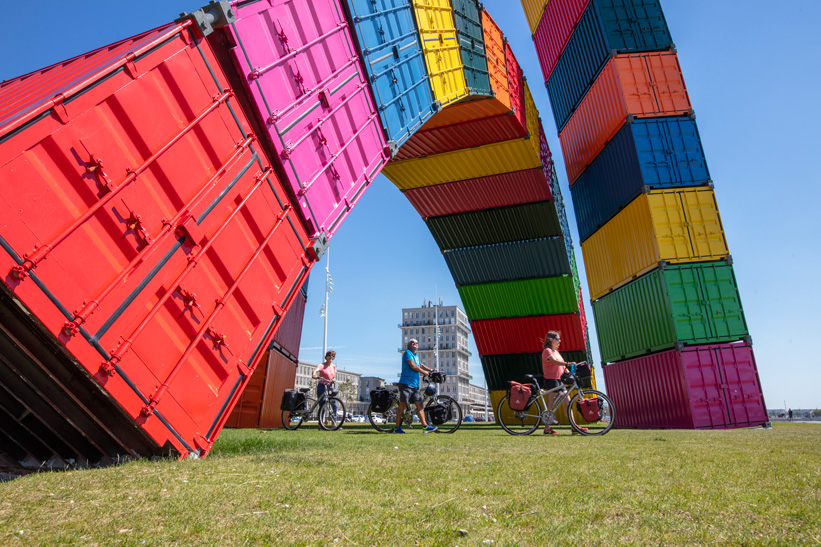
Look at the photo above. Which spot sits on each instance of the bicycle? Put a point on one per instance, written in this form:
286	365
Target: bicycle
440	410
329	419
570	393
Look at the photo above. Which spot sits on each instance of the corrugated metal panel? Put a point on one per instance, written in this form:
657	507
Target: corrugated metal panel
644	85
554	30
713	386
515	85
313	98
281	376
532	115
437	31
247	410
526	334
533	11
500	369
495	49
472	46
605	28
480	193
467	134
289	333
172	242
665	225
482	161
653	153
509	261
392	55
499	225
692	304
471	108
543	296
546	157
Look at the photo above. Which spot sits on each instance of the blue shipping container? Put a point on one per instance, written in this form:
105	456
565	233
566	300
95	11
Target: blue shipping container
508	261
468	21
658	153
388	40
606	27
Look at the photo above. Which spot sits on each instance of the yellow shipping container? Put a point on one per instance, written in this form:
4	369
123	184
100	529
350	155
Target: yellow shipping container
675	226
443	59
532	118
468	163
533	11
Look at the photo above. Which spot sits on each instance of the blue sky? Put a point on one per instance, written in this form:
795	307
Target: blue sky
752	72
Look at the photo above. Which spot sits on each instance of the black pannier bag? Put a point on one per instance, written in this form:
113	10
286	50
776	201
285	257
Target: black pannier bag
438	414
291	399
382	399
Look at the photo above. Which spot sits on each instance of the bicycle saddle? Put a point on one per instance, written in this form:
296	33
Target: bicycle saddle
304	389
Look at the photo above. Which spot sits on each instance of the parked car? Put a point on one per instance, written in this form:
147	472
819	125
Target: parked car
469	418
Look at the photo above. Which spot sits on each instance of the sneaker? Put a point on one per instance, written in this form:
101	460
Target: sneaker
431	429
398	430
550	431
583	429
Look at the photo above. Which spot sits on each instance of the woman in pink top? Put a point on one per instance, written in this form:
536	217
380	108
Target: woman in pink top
553	366
326	374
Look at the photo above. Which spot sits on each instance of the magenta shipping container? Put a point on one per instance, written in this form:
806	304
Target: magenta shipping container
698	387
311	93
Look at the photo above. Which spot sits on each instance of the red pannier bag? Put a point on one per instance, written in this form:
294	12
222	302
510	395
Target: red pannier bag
590	409
519	395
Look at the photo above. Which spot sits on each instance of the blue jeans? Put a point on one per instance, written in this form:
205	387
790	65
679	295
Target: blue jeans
320	391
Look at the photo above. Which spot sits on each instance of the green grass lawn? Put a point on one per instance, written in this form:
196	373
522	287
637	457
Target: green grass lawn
478	486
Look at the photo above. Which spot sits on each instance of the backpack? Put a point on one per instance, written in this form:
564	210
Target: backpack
590	409
438	414
291	399
382	399
518	395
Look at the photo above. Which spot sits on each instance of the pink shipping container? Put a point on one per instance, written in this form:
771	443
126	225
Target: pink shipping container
554	31
480	193
311	94
515	85
643	85
149	252
698	387
526	334
546	155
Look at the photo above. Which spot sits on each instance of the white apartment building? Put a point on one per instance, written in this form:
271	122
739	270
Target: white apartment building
348	384
450	325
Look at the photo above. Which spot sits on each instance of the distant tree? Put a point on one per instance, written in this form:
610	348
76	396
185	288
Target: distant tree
816	413
347	391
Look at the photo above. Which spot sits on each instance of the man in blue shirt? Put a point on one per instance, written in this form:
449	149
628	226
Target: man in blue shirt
409	386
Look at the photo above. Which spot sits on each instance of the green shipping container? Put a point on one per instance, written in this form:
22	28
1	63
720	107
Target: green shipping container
688	304
542	296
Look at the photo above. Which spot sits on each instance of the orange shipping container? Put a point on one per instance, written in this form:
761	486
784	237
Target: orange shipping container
495	49
258	406
644	85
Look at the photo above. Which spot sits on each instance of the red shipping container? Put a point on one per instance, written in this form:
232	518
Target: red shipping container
513	188
643	85
289	333
554	31
697	387
154	246
526	334
515	85
259	405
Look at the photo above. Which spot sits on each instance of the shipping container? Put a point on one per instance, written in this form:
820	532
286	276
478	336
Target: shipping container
480	193
258	407
443	58
554	31
546	157
392	56
468	109
542	296
526	334
651	153
500	225
480	161
289	334
605	29
644	85
312	97
468	20
496	59
533	12
501	369
508	261
699	387
150	250
689	304
516	91
672	226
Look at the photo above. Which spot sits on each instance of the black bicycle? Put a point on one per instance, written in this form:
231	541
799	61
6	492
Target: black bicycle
440	410
330	410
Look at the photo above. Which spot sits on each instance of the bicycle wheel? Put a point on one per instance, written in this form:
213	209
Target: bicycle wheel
519	422
582	422
384	422
330	419
292	420
452	411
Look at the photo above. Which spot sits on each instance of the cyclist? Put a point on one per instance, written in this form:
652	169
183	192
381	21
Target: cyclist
325	374
553	367
409	386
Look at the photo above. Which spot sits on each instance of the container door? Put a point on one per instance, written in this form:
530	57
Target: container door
472	46
706	234
722	302
686	153
496	59
437	30
706	387
742	388
684	289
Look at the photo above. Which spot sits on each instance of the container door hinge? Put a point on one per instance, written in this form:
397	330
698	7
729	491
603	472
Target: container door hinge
219	340
131	66
59	109
243	369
